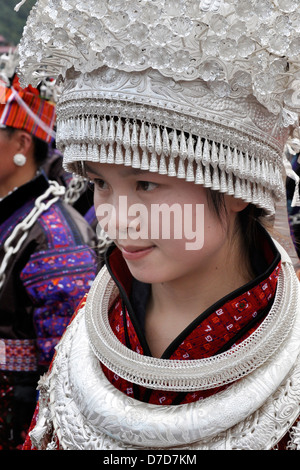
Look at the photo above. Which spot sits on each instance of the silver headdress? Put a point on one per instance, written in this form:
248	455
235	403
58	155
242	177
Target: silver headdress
8	63
204	90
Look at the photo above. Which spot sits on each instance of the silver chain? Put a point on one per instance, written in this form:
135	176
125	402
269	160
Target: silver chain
76	187
103	240
14	242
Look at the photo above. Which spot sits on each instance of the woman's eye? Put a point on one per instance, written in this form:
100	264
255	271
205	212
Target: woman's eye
99	183
146	185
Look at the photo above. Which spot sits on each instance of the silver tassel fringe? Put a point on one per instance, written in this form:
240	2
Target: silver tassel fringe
174	153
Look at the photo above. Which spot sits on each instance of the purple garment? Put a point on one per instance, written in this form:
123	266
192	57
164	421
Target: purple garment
49	275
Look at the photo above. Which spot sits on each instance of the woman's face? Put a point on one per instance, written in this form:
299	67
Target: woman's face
162	225
7	151
12	142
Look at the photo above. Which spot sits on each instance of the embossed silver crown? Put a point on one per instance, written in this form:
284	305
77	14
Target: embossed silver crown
205	90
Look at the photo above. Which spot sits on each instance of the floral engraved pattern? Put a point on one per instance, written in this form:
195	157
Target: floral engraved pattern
178	38
223	74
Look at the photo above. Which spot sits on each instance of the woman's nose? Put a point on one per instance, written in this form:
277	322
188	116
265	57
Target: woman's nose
121	216
128	218
120	220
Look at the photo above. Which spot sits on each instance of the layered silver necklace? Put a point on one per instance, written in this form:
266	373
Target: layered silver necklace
80	408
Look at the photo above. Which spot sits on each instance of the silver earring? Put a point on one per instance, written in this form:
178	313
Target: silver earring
19	159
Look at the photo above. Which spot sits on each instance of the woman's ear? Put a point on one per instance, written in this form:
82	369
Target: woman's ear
25	142
235	204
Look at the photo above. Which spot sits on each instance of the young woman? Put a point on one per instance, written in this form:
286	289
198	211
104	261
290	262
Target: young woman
174	272
189	336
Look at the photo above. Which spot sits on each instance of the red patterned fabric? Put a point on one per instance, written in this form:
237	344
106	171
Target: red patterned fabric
12	114
18	355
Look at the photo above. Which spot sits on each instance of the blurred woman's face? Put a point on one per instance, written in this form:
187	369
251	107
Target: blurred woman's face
8	148
12	175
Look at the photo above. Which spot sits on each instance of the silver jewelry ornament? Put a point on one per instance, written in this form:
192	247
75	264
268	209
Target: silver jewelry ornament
171	76
19	159
81	409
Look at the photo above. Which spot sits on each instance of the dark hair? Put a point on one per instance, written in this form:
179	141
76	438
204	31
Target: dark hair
40	152
250	215
247	222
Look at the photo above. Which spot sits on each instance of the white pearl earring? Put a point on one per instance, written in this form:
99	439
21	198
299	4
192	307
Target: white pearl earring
19	159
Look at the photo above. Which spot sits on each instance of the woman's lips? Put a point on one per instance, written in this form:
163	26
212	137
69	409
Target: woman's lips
133	252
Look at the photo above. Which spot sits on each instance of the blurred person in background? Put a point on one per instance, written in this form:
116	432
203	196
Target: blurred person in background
47	255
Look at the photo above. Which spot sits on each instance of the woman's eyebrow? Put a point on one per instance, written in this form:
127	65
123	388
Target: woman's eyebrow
88	169
126	171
